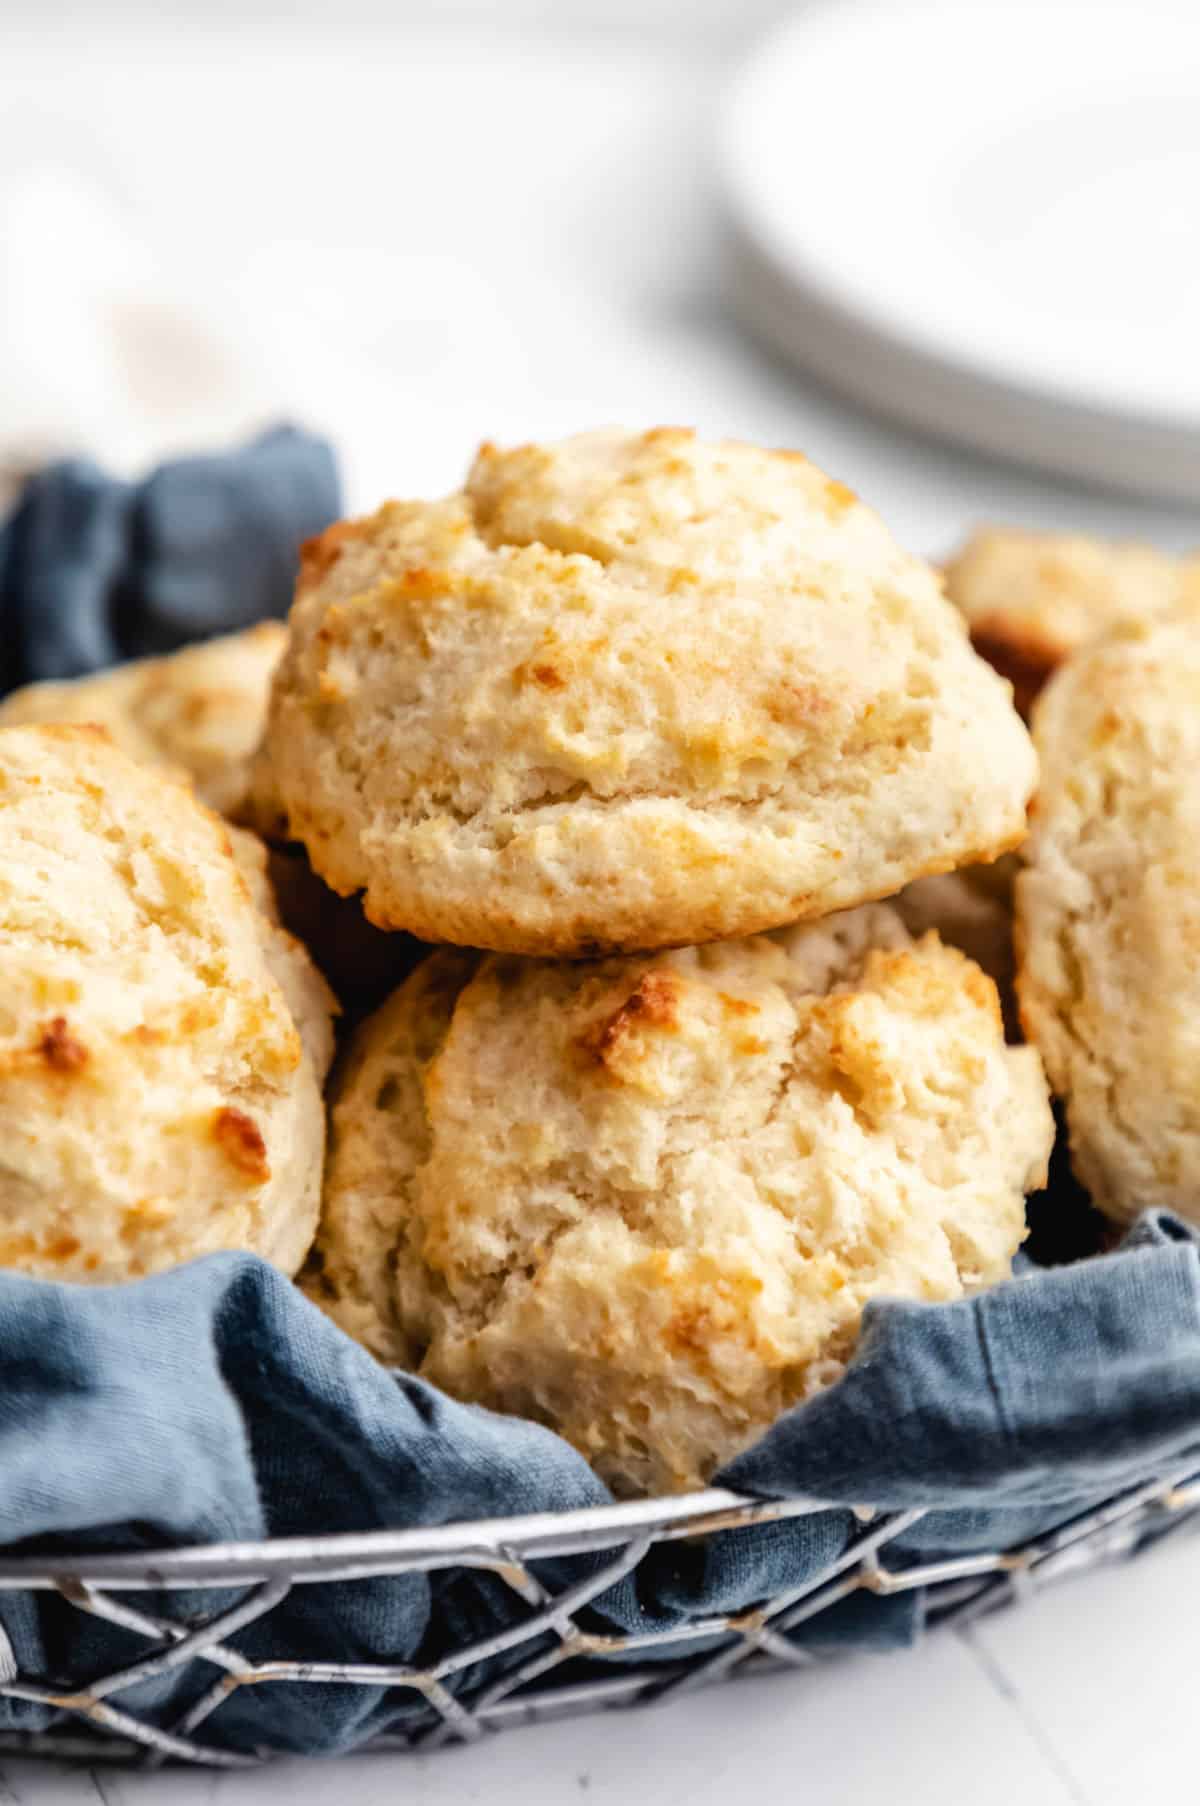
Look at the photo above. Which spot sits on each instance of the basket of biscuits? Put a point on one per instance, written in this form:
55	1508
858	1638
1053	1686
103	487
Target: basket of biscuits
596	1108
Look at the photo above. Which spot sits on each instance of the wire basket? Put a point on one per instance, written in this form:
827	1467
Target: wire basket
537	1688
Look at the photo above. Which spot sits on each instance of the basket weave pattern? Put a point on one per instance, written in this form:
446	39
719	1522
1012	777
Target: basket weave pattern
771	1634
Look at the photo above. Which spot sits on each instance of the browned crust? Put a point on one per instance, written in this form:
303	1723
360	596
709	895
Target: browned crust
59	1048
240	1139
72	730
319	554
708	1308
736	1006
665	435
651	1004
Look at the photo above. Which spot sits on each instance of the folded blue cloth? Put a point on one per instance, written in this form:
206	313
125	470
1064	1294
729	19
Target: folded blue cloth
215	1402
94	570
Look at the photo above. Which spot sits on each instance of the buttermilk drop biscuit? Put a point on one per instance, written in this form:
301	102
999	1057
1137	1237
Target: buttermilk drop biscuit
645	1200
1108	914
201	710
633	690
972	910
1031	599
162	1039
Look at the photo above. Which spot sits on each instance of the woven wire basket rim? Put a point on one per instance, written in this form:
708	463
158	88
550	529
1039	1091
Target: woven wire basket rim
955	1589
354	1555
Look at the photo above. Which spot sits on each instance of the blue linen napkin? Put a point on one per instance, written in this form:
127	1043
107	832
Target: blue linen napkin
215	1402
94	570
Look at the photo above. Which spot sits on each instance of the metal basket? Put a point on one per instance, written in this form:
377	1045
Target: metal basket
770	1635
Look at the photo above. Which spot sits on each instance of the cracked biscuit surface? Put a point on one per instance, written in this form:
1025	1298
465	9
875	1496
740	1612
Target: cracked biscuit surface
629	691
1108	914
201	710
644	1200
162	1040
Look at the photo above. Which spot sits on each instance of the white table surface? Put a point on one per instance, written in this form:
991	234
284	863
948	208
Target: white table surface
417	229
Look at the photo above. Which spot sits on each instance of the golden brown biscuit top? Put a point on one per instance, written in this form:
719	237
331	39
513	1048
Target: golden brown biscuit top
629	690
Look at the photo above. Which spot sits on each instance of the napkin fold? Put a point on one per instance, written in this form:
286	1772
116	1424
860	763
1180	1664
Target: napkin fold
94	570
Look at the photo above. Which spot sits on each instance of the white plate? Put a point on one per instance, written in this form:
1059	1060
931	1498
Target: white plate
983	216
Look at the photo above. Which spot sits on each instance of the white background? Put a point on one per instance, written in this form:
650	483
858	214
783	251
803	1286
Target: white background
417	226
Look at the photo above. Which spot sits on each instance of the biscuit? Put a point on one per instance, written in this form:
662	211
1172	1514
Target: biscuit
629	691
1108	914
972	910
1031	599
201	710
162	1039
644	1201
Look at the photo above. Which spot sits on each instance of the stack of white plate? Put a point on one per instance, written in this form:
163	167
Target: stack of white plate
983	217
